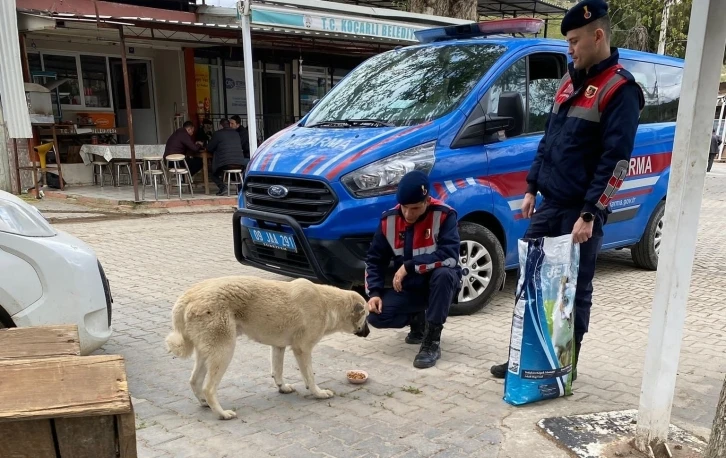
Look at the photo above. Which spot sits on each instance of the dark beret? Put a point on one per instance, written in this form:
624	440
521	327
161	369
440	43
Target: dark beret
413	188
582	14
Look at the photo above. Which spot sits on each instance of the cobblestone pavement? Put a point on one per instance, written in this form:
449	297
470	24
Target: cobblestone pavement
454	409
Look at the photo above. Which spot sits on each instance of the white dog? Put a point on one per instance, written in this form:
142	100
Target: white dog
209	316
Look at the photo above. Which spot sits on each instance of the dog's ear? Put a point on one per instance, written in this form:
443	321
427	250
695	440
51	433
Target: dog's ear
358	309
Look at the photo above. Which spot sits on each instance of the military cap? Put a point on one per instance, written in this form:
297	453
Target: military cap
413	188
583	13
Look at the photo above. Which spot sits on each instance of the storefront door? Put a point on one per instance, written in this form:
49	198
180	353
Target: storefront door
274	103
142	99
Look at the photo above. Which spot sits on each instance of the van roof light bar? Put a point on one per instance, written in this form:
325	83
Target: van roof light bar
480	29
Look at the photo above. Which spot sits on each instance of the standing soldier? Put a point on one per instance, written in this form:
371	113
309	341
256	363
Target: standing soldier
585	152
421	236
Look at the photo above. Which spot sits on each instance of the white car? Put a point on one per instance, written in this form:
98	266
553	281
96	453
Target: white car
49	277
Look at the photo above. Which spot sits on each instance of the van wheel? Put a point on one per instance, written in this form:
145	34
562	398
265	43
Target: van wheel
482	259
645	252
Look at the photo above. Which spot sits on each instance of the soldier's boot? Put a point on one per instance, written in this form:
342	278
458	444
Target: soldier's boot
578	345
430	350
499	370
418	326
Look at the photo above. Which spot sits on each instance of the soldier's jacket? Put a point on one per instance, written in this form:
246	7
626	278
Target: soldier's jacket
431	242
589	136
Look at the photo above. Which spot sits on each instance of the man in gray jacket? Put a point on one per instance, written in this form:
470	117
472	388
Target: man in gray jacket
713	152
227	153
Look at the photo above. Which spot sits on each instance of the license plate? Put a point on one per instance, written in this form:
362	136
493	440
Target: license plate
272	239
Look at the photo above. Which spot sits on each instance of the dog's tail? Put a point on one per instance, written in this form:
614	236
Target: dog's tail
176	342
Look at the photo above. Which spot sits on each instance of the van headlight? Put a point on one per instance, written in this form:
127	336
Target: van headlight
23	219
382	177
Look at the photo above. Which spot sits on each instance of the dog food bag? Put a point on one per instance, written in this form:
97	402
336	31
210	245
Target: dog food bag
542	346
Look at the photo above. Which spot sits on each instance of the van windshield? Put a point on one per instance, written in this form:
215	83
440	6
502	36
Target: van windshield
406	87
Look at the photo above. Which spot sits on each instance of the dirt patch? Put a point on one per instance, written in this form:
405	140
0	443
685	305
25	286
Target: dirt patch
624	449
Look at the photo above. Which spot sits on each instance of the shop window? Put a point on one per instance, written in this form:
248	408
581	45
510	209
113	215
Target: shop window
34	62
95	82
669	92
65	67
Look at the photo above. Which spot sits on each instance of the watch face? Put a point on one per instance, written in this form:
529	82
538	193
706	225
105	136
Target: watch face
587	217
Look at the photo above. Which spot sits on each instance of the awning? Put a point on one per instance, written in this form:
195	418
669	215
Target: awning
511	8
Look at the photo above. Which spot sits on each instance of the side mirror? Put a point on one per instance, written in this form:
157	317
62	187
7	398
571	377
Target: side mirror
482	130
511	106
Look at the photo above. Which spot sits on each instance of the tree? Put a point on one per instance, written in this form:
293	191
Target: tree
461	9
717	444
637	24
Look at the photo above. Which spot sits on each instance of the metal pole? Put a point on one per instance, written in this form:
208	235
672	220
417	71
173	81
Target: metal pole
243	13
702	69
722	128
129	118
664	26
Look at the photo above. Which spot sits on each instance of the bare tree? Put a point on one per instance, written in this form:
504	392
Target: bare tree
717	444
461	9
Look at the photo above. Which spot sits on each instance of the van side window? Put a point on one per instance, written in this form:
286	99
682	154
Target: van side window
645	76
536	78
669	91
545	74
514	79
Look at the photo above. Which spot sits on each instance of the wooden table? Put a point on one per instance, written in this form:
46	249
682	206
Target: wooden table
204	154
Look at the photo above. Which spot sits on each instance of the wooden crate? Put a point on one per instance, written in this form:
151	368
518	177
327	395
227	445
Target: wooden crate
56	404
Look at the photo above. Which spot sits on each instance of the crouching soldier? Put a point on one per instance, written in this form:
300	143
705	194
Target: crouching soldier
421	236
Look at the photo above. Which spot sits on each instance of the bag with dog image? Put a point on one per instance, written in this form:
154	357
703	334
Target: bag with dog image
542	347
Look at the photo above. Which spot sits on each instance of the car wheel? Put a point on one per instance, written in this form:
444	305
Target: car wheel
482	260
645	252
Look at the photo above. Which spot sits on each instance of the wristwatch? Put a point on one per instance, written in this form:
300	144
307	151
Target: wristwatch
587	217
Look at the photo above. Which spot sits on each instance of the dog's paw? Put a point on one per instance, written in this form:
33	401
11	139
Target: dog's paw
228	415
324	394
286	388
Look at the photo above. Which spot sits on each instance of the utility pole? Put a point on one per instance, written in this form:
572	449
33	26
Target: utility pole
664	26
701	73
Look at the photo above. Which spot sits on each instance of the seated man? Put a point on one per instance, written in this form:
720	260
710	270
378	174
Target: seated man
244	137
227	154
421	236
204	134
180	142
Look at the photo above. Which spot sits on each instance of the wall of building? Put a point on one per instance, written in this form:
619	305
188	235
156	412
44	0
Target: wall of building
170	89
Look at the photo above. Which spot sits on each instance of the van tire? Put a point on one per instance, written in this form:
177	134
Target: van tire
644	252
482	236
5	320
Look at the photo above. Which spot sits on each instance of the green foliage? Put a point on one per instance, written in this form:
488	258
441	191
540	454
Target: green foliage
630	16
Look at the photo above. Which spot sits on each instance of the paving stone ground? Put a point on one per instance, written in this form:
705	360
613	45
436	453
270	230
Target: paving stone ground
452	410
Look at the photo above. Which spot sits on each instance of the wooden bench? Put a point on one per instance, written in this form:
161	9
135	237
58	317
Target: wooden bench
55	403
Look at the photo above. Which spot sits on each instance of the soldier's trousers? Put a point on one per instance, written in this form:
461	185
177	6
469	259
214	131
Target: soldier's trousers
435	297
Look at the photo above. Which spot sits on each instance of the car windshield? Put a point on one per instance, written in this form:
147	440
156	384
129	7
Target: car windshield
406	86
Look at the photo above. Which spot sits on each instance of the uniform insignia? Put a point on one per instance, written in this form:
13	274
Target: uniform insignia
587	14
423	190
427	235
401	236
590	91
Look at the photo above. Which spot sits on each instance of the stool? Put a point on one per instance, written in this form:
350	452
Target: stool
228	177
117	166
99	168
150	171
174	167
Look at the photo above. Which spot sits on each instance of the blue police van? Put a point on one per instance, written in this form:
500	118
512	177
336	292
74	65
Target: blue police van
468	107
